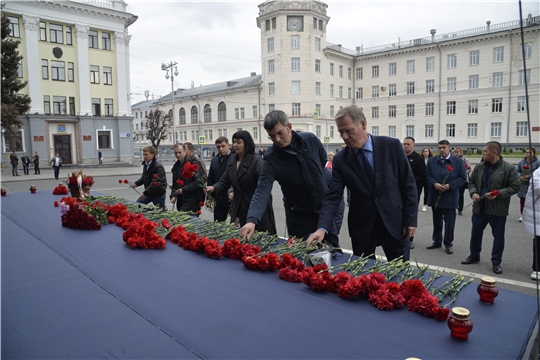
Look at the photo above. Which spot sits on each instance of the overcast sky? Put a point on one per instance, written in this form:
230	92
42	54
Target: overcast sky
219	40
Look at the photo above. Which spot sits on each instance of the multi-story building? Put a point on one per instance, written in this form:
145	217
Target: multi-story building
467	86
76	61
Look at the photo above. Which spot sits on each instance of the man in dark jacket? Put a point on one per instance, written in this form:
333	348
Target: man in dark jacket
217	168
296	161
153	178
26	163
186	192
418	167
14	163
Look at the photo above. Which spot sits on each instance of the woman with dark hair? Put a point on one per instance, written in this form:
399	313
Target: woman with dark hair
427	154
242	173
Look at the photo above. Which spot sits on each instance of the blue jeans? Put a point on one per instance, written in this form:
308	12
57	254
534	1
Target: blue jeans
498	225
449	218
156	200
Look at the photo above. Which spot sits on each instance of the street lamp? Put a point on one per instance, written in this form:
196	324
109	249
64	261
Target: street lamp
200	126
167	67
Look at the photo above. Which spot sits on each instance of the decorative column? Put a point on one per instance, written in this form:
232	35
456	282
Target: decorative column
83	70
121	40
33	63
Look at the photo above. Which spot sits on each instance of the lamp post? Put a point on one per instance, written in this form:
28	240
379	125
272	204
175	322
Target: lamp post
167	67
200	126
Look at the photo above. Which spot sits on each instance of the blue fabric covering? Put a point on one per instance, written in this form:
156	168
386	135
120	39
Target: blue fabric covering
85	294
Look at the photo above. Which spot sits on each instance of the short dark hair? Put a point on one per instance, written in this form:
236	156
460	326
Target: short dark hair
532	149
189	146
249	144
149	148
356	114
444	142
410	138
273	118
494	146
221	139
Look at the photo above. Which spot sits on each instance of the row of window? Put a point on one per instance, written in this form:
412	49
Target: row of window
61	107
16	137
58	72
270	24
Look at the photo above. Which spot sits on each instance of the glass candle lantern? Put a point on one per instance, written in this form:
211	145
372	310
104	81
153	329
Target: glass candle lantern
33	189
460	324
488	290
3	191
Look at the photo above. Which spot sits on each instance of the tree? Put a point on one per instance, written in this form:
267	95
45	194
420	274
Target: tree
13	104
157	127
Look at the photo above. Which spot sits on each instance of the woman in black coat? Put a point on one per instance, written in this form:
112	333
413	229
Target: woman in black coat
242	173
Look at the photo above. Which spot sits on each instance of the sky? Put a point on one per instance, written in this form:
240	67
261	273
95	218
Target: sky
214	41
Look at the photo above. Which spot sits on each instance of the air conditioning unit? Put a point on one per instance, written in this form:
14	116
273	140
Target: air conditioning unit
383	88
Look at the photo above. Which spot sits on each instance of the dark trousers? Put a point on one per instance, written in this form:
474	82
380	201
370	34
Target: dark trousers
36	169
448	217
536	253
14	170
426	192
393	248
156	200
25	168
461	192
301	224
498	225
221	213
56	171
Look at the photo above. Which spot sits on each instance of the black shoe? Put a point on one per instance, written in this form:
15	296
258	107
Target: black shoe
412	245
460	213
449	250
470	260
497	269
434	245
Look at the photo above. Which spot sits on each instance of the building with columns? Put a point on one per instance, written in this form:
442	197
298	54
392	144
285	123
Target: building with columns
467	86
76	61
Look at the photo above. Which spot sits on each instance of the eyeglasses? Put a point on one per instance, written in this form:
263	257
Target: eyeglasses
279	133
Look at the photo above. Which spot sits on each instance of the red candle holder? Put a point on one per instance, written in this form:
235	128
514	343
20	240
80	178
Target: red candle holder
460	324
33	189
3	192
488	290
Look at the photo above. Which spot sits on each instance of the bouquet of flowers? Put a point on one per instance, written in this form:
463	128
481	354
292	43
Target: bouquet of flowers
60	190
525	177
192	171
80	215
450	169
85	179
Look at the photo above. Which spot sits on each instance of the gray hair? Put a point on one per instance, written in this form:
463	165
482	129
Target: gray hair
273	118
356	114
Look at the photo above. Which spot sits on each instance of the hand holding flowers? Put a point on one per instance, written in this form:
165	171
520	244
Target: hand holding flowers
525	177
489	195
444	186
130	185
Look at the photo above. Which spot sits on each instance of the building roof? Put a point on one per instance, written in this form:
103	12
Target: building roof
144	104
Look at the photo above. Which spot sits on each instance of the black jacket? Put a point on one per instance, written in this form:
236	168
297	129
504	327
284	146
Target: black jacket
217	168
149	180
25	160
192	193
418	167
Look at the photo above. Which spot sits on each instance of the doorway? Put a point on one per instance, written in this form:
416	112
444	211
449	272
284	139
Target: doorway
62	145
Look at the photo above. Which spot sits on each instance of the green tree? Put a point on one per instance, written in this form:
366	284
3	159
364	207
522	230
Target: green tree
13	104
157	127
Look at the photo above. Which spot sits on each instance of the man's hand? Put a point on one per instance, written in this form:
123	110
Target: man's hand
178	192
491	197
173	200
317	236
142	197
409	232
209	189
247	230
441	187
231	196
475	198
134	186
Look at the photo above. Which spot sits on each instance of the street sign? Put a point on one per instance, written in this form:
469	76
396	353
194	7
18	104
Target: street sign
125	135
327	139
202	140
316	115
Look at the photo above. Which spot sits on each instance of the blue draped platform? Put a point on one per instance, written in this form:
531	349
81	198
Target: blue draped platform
85	294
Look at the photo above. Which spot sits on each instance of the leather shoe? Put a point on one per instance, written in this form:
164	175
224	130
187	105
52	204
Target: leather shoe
460	213
449	250
434	245
412	245
470	260
497	269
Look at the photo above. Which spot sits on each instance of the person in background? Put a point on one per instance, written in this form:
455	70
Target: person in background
525	168
531	219
261	152
100	157
459	153
56	163
153	178
185	191
14	159
35	160
217	168
426	154
418	168
242	173
25	163
190	152
330	159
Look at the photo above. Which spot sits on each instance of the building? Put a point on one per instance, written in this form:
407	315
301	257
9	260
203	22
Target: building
76	61
466	86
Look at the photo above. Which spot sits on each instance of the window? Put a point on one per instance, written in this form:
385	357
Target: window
349	93
410	88
496	129
94	74
452	61
13	141
392	111
474	57
522	129
341	91
472	130
473	106
359	93
20	68
317	88
242	115
270	44
450	108
255	133
340	71
295	64
430	63
410	110
58	71
71	71
375	91
93	39
522	103
296	109
69	36
318	131
332	132
392	69
42	31
496	105
450	130
222	112
271	89
392	90
109	107
375	112
182	116
473	81
106	41
430	86
194	115
96	107
332	110
207	114
452	83
295	41
271	107
392	131
14	26
430	109
497	79
47	104
332	69
270	66
410	66
375	130
295	89
332	90
107	75
522	77
349	73
498	54
375	71
270	24
104	139
528	50
318	66
359	73
317	44
409	130
428	130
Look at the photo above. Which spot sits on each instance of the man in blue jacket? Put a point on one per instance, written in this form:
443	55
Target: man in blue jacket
217	168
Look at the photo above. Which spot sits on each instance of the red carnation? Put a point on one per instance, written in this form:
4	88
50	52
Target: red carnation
155	183
198	212
201	203
449	168
56	204
126	181
180	182
526	167
494	193
119	181
154	176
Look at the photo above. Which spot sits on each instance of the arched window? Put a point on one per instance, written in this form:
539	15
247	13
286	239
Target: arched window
222	111
170	117
194	115
182	116
207	113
